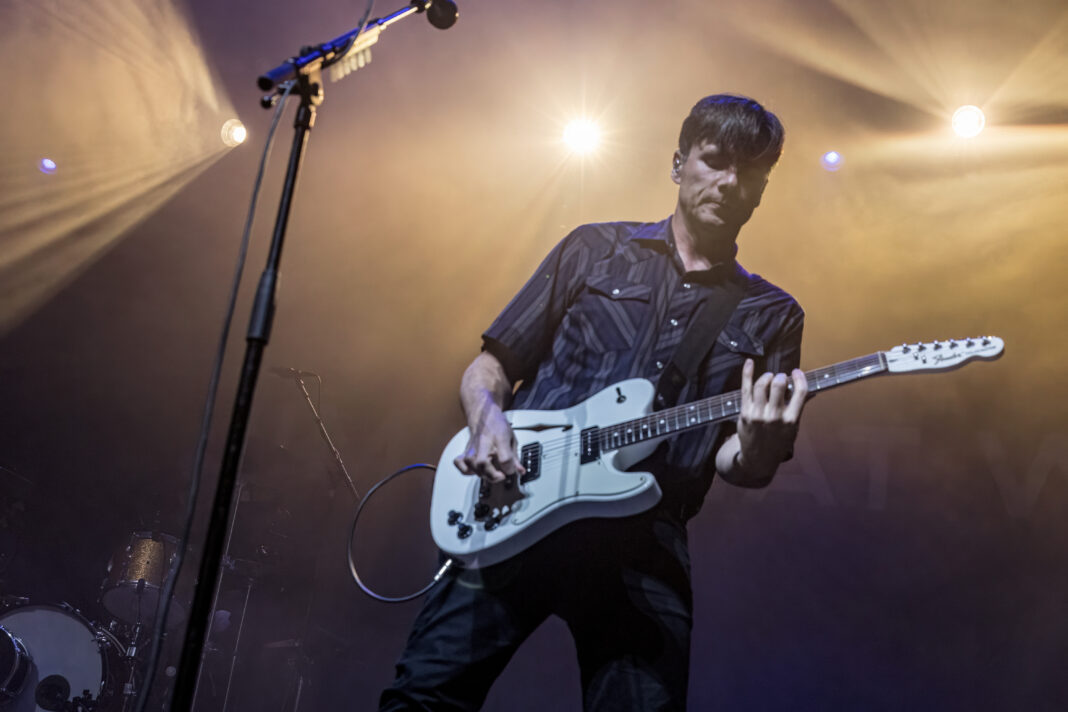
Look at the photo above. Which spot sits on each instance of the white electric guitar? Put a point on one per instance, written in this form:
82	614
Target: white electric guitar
576	458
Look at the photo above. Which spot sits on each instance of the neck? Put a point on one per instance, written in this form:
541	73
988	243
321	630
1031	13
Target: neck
700	247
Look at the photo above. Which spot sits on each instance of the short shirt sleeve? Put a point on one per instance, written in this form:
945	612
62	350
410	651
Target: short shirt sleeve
522	333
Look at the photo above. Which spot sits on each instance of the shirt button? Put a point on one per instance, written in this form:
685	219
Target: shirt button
686	284
674	322
659	365
615	291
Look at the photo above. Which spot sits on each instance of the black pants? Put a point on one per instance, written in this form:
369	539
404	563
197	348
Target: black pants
621	585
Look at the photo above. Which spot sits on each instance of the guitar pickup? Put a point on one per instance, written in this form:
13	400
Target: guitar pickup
590	445
530	457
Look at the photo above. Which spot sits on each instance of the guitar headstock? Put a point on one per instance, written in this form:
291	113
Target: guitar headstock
942	355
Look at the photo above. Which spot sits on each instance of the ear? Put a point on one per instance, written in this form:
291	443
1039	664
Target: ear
676	165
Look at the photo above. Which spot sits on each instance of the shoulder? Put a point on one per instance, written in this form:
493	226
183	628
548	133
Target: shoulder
762	295
604	238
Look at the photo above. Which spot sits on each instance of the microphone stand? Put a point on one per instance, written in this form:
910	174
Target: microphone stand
305	70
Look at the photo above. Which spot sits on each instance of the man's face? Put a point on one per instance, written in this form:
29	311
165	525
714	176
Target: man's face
713	191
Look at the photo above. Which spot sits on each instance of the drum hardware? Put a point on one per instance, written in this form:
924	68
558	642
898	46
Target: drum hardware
15	665
8	601
130	657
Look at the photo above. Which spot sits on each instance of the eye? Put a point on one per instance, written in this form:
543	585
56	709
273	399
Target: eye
752	174
716	161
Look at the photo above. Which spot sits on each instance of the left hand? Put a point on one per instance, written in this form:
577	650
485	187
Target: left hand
767	423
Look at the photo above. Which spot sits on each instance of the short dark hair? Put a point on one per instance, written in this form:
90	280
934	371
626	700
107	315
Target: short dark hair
742	128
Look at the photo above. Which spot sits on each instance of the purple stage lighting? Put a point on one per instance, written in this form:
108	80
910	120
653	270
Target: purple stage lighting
832	160
47	165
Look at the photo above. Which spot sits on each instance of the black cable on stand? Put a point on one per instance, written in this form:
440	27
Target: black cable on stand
306	69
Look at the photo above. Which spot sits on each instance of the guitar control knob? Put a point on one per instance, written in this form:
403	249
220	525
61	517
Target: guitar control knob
937	346
969	343
905	348
464	531
921	347
986	342
953	344
492	524
454	516
482	510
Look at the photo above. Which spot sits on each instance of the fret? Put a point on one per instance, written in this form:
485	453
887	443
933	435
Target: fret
727	405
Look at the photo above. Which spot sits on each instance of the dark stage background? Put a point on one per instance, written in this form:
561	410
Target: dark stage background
911	556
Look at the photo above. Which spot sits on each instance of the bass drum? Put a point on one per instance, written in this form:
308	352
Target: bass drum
68	658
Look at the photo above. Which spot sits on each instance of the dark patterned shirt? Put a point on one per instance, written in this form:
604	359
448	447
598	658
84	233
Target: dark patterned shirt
612	301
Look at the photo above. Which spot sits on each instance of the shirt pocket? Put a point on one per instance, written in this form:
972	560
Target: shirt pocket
741	343
611	311
722	370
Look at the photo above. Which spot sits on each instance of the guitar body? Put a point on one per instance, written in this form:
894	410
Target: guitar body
480	525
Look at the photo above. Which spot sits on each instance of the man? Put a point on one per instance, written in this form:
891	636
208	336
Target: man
610	302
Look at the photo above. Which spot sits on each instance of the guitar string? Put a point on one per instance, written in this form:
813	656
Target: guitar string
853	369
841	373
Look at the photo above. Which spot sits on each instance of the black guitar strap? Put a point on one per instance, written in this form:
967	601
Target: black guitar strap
712	315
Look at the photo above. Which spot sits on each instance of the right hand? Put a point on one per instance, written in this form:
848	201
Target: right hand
491	451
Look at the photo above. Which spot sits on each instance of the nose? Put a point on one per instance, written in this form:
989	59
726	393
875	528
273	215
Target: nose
728	179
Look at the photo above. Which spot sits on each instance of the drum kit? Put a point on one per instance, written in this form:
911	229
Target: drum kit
54	658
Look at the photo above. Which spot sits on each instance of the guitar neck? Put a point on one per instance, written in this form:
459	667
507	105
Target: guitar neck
727	405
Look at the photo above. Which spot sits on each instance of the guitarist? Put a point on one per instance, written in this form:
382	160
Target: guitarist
613	301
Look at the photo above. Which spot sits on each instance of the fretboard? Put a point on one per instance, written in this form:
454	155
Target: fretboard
727	405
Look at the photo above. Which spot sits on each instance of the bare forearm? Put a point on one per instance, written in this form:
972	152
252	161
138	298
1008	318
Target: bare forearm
484	385
733	468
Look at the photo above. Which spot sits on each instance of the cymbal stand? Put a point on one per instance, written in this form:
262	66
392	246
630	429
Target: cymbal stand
129	689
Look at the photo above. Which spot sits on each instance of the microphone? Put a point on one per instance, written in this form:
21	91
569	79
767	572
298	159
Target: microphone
441	13
291	372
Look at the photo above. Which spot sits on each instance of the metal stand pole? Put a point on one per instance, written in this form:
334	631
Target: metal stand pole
310	89
306	71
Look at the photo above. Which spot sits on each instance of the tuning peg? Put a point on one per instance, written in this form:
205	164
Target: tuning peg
937	346
921	347
905	348
969	343
986	341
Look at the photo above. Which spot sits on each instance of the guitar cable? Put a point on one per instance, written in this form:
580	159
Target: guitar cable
445	567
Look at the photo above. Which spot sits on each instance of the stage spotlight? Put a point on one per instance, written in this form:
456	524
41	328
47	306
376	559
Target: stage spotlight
968	121
234	133
582	136
832	160
47	165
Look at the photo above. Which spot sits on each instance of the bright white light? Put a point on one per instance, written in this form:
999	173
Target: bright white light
968	121
234	133
47	165
582	136
832	160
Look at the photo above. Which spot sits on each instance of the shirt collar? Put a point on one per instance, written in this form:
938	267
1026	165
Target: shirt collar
660	237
